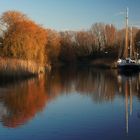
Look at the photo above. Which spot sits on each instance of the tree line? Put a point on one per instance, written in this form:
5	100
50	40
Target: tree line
22	38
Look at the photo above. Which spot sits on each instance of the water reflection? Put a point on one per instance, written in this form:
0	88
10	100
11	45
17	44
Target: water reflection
20	102
130	86
100	85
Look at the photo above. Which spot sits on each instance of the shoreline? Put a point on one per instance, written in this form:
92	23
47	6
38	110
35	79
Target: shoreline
22	69
15	68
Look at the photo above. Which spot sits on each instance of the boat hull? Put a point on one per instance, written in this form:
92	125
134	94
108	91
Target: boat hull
129	67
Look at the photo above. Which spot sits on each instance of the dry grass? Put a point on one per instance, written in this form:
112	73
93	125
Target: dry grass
19	68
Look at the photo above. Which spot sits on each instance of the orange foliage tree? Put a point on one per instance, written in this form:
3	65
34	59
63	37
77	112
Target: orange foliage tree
22	38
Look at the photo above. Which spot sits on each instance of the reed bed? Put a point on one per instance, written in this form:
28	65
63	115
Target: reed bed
19	68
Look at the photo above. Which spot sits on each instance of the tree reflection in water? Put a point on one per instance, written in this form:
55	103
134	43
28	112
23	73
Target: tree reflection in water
23	101
20	102
100	85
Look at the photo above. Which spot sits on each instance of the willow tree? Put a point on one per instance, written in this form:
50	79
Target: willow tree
22	38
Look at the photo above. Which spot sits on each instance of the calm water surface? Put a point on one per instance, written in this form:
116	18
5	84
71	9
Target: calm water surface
71	104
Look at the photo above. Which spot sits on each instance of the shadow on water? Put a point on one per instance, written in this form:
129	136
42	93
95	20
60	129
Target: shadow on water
9	80
21	101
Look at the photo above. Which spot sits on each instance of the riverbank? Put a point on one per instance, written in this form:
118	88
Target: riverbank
103	63
14	68
19	68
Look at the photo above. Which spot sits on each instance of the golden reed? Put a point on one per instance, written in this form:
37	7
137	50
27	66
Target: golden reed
16	67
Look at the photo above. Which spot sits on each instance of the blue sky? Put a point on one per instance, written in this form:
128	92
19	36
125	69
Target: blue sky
74	14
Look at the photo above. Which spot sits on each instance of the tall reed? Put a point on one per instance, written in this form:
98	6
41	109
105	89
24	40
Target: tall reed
18	68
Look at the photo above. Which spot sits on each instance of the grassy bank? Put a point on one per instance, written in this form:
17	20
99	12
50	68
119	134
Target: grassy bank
19	68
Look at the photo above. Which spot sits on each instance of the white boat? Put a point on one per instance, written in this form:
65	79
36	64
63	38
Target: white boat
127	63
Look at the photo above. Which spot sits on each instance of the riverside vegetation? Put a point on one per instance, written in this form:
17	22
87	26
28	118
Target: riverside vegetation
27	48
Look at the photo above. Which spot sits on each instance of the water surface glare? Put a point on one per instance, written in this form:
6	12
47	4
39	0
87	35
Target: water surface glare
71	104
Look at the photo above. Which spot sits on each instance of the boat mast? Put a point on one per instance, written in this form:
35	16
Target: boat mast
131	42
126	35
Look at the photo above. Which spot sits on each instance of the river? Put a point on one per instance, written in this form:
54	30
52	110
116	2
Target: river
71	104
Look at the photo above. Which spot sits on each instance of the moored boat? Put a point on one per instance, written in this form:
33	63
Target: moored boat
128	63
